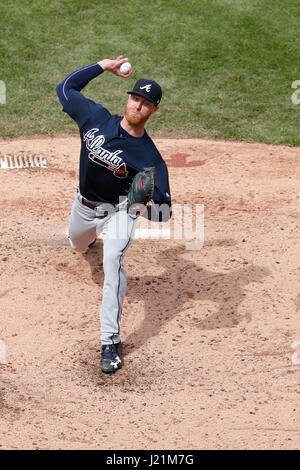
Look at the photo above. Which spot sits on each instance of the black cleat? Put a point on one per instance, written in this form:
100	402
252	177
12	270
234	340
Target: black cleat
111	359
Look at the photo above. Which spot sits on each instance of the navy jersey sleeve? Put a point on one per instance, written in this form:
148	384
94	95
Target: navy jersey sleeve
161	210
74	103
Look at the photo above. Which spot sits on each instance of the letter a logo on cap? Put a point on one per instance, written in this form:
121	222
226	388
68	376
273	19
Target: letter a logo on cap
146	87
149	89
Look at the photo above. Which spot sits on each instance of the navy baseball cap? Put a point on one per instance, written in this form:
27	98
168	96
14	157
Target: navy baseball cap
149	89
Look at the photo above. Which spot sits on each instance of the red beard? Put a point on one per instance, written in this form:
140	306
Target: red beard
134	119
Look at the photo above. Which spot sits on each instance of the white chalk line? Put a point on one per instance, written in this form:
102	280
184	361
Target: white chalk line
152	233
140	233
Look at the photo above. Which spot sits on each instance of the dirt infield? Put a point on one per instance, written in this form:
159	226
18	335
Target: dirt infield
209	361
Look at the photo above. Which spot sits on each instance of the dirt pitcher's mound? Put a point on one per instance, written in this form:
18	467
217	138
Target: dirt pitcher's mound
209	335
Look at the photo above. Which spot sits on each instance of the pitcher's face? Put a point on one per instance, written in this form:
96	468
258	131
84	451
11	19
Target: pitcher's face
138	110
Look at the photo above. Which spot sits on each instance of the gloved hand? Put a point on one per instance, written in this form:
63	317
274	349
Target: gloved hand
141	191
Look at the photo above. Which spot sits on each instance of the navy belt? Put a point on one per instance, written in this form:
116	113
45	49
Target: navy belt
94	204
91	205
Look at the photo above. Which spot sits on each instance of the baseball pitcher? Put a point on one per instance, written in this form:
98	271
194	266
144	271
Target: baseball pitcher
122	176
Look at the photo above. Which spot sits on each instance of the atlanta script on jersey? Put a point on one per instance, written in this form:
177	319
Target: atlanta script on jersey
111	160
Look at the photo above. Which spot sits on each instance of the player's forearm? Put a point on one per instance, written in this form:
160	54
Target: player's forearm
77	80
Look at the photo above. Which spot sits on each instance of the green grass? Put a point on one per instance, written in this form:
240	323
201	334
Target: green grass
226	67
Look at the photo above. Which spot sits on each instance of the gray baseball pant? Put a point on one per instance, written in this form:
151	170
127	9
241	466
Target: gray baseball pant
117	230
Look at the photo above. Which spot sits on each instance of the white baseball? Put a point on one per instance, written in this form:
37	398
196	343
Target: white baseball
125	68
